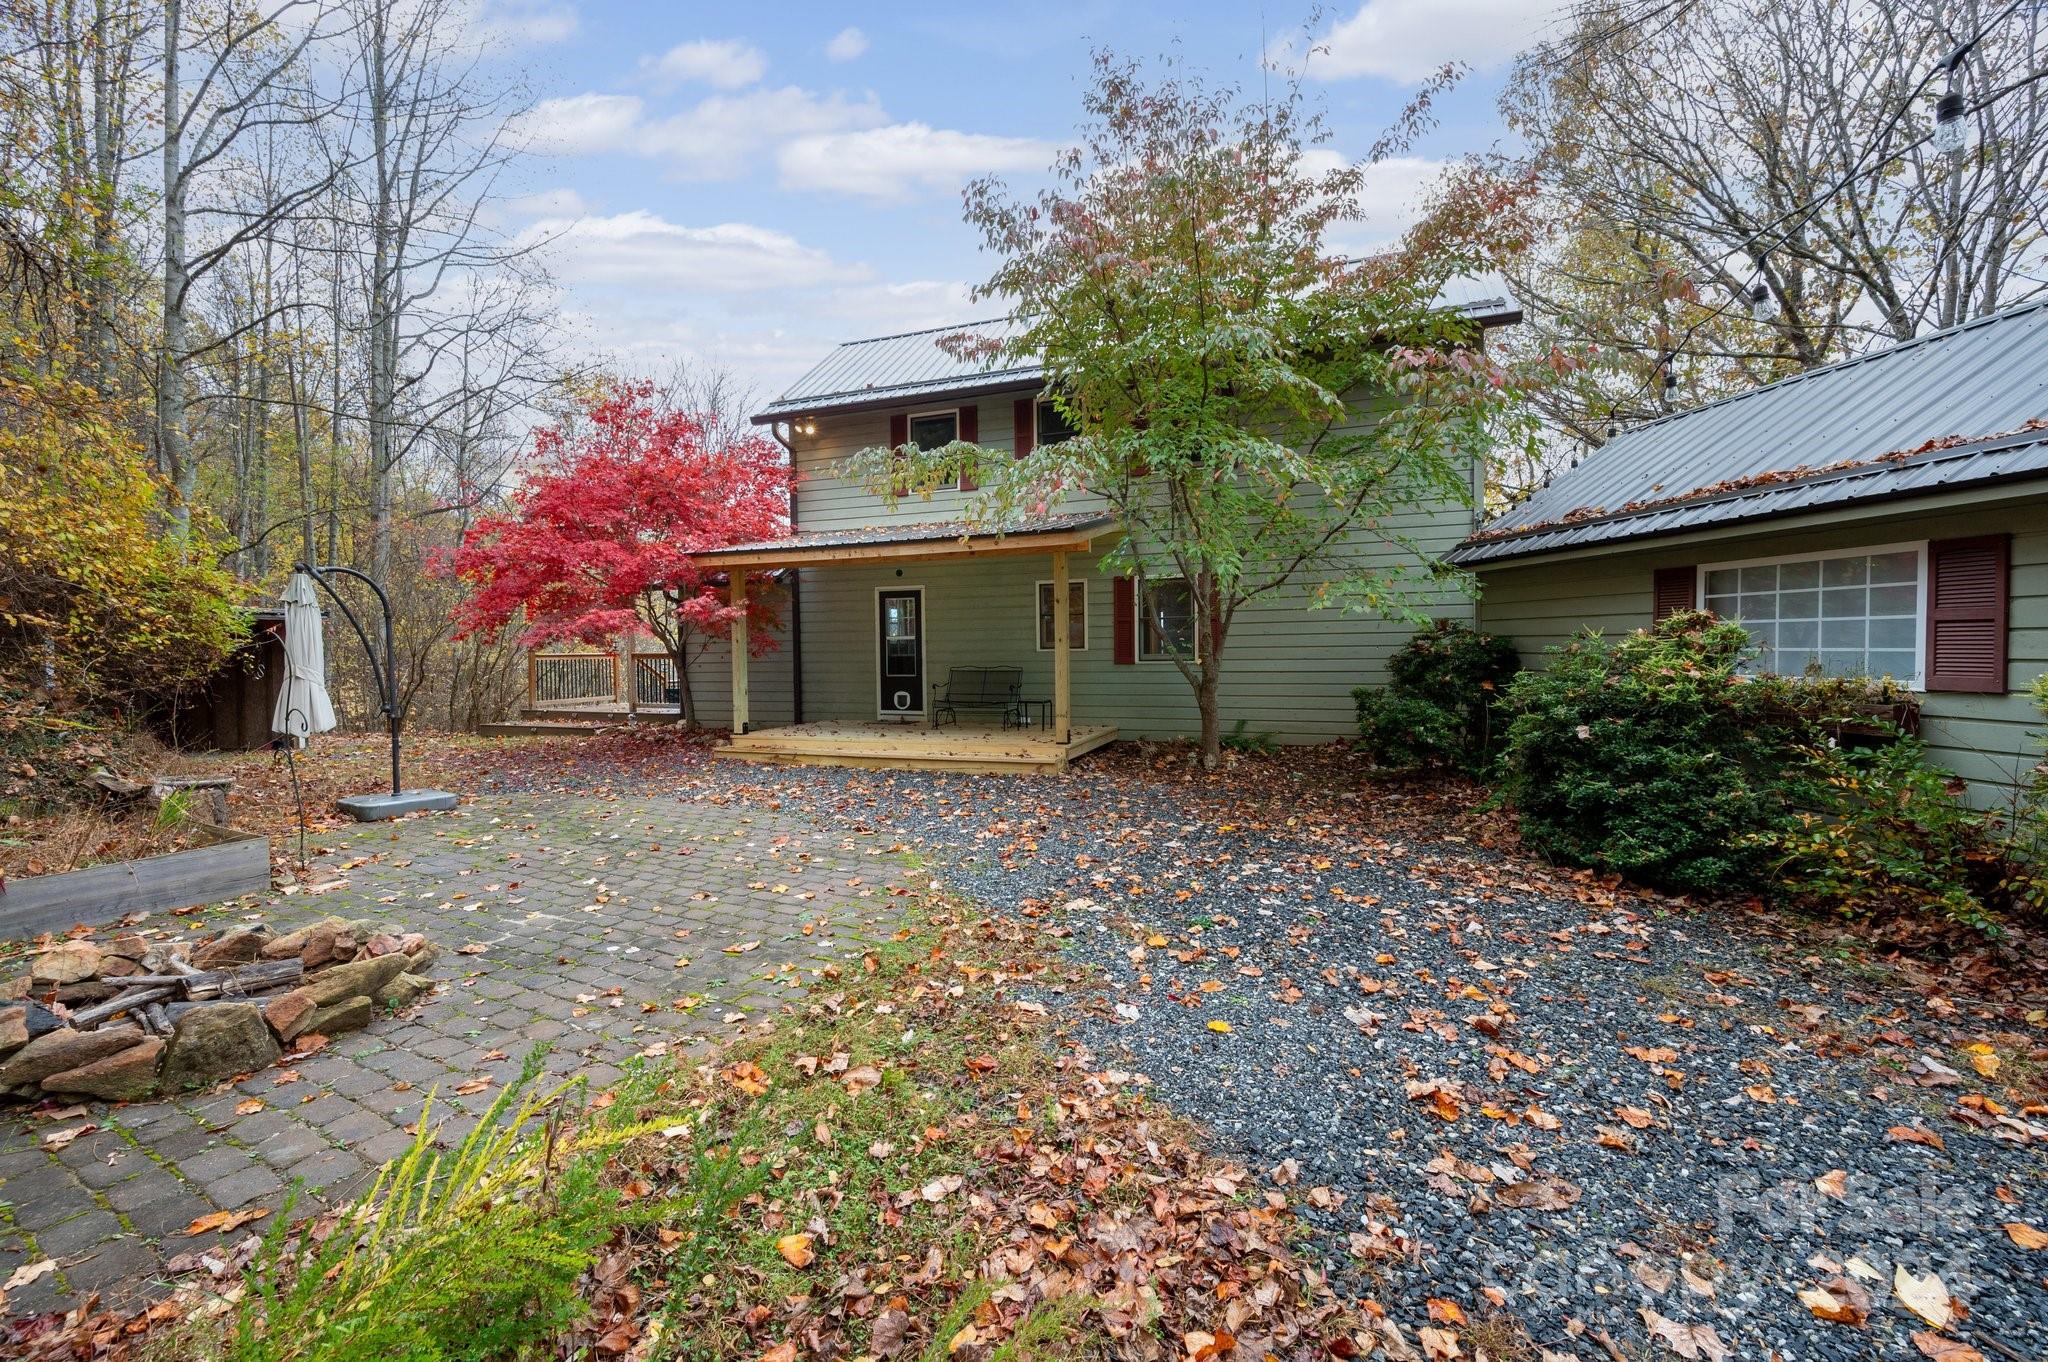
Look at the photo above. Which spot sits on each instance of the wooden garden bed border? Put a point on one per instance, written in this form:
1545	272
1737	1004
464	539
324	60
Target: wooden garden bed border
232	863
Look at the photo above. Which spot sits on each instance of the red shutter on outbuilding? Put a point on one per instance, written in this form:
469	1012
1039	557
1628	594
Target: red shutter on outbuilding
899	436
1123	600
1024	423
970	431
1673	591
1967	592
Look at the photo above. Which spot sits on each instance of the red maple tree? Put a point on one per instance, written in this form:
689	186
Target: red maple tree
599	540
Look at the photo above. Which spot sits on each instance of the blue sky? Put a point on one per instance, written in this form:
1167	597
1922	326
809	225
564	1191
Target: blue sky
747	185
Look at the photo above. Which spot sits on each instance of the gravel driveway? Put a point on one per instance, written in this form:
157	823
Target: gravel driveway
1503	1090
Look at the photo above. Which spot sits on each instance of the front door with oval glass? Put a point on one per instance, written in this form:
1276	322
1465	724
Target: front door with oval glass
901	652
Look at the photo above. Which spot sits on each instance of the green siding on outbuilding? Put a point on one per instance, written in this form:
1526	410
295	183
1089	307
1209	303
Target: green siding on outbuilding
1990	740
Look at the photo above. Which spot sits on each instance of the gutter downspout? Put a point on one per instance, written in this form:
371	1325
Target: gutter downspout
796	602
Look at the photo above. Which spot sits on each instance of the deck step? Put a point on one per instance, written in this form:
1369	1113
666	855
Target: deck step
525	729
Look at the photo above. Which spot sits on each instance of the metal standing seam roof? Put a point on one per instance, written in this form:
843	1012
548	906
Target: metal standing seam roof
885	370
1845	432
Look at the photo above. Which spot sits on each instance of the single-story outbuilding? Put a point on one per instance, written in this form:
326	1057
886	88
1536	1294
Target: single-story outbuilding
1887	515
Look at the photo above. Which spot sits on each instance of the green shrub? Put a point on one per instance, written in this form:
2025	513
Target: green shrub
1442	704
1879	827
1650	756
1238	739
2026	846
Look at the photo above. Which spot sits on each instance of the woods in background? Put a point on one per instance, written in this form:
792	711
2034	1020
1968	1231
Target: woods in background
248	269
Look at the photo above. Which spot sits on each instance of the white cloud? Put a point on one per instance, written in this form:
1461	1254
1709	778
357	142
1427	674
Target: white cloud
1406	40
880	308
562	202
647	253
717	138
526	23
902	159
1393	193
846	45
579	125
722	63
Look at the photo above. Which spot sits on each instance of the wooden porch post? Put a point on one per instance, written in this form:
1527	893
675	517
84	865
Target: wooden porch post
739	651
1062	654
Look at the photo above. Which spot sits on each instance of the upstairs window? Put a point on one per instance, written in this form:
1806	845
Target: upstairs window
934	429
1053	427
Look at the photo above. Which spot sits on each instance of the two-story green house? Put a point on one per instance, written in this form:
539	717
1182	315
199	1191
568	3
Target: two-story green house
912	639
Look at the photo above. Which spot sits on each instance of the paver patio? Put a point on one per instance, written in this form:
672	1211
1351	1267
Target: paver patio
586	909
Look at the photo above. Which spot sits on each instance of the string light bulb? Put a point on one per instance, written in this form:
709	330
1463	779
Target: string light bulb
1951	132
1763	304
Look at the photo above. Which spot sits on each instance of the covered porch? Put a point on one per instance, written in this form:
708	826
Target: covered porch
893	696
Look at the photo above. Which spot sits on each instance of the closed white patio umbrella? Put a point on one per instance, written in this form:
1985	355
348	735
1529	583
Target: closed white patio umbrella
303	705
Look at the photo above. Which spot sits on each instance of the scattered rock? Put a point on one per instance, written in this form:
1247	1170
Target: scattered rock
424	957
350	1014
237	947
41	1020
130	947
118	966
66	964
288	1013
323	947
13	1028
17	987
383	943
359	978
120	1077
294	942
404	990
216	1042
64	1049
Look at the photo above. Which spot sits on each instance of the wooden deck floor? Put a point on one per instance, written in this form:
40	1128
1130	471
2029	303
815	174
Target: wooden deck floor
956	747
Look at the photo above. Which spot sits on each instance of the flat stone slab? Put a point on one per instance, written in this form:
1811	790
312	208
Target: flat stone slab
373	808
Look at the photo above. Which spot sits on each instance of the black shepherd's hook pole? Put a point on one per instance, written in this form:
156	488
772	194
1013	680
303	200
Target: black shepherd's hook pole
385	674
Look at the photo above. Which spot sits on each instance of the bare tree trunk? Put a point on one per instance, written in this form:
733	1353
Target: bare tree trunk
384	291
170	401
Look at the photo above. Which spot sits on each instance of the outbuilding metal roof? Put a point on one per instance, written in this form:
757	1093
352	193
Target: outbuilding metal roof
888	370
1963	406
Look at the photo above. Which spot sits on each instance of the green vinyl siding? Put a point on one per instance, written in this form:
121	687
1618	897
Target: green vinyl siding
1289	669
771	695
1989	740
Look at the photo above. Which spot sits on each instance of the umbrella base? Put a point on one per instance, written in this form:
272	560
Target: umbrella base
372	808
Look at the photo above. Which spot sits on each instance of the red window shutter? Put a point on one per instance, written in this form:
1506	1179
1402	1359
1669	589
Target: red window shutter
1024	420
1967	593
1673	591
1123	600
899	436
970	431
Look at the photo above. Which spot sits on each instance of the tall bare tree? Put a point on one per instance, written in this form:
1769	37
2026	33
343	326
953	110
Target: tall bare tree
248	73
1688	153
441	293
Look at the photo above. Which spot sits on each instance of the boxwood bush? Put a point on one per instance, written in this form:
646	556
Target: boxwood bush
1443	702
1650	755
1656	756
